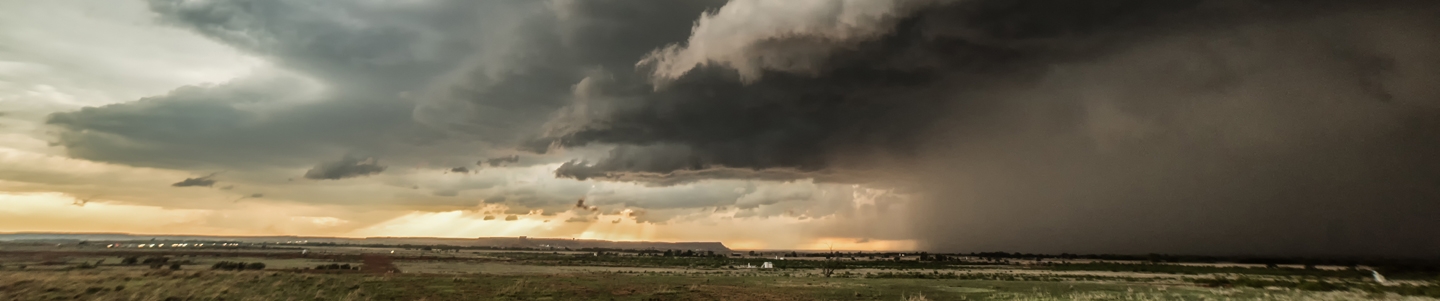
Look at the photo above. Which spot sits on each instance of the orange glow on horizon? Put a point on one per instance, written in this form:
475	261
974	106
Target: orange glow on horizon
57	212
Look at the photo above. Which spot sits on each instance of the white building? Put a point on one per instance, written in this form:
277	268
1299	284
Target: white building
767	265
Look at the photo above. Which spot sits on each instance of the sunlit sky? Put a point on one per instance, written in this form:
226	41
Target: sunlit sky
109	106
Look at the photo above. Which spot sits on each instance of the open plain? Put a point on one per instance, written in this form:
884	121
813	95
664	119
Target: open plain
103	271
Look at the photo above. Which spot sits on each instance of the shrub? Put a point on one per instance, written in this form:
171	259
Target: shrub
175	267
223	265
236	266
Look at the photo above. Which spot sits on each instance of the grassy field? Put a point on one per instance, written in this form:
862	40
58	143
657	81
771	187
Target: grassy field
101	274
269	285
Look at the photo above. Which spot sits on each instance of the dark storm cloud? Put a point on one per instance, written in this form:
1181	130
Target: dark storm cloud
205	181
546	65
343	42
442	78
192	126
1217	126
366	56
1258	127
870	98
460	169
347	167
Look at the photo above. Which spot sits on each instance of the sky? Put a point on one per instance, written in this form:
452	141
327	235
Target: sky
1245	127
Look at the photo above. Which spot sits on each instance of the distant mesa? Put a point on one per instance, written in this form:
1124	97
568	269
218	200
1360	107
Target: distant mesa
496	242
532	242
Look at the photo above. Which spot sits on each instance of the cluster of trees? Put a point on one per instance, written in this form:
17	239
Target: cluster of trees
238	266
334	266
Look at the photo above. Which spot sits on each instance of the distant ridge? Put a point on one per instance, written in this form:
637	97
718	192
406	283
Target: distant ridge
496	242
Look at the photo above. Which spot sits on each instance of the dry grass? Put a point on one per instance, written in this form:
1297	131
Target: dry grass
158	285
915	297
166	285
1159	296
519	287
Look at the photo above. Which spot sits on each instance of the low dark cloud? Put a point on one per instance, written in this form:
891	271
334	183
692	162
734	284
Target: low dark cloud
205	181
580	205
460	169
347	167
606	170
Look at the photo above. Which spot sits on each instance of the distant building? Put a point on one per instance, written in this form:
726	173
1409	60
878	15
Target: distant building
767	265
